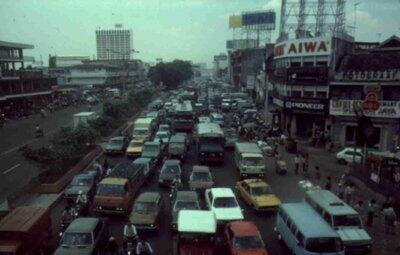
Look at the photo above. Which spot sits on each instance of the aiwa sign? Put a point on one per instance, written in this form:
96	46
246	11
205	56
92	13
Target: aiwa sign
303	47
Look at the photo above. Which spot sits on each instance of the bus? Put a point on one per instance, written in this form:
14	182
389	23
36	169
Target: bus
342	217
305	232
183	118
210	142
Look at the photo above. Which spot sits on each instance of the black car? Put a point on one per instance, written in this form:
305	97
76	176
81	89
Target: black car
170	170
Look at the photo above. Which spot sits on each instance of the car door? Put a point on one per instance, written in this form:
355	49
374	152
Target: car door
159	209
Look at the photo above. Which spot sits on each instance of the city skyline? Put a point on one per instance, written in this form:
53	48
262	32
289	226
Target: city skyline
189	30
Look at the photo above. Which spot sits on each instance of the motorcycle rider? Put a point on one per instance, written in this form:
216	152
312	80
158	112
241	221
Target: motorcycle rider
144	248
112	246
130	234
38	130
174	187
80	201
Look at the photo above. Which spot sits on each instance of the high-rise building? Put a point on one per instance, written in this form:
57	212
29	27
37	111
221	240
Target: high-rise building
114	43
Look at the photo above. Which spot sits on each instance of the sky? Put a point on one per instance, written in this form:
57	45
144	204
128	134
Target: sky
193	30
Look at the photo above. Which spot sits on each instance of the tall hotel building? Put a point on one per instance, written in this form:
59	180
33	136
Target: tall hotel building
114	43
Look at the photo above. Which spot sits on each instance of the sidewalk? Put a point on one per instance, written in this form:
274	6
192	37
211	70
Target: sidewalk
383	244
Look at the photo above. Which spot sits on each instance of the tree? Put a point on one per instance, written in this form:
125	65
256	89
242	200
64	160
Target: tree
171	74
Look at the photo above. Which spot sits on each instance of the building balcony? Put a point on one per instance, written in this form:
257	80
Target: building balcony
302	75
377	109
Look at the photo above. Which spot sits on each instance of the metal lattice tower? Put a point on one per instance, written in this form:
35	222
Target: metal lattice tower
309	18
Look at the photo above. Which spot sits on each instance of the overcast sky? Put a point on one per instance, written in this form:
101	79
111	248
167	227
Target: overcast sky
186	29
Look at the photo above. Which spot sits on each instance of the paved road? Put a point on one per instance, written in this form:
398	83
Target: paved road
224	176
15	172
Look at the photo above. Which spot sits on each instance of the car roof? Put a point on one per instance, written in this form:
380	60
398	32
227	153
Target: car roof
222	192
83	225
330	202
197	221
162	132
187	196
114	181
148	197
170	162
142	160
152	143
177	138
255	182
243	228
203	169
117	138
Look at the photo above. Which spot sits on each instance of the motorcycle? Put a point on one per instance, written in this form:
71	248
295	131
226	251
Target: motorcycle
129	248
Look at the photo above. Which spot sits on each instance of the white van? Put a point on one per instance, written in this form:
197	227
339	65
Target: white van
304	232
143	128
249	160
343	218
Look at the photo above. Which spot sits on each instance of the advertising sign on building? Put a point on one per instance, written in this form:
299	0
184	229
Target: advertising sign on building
306	104
385	75
386	109
303	47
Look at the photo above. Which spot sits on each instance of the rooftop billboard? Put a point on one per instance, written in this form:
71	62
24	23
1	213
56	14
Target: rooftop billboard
235	21
303	47
259	18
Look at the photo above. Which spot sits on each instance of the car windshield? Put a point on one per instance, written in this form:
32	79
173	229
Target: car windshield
144	207
162	135
115	142
247	242
346	220
75	239
176	145
253	161
163	128
259	191
151	148
135	144
187	205
320	245
225	202
201	176
81	181
112	190
139	132
195	238
171	169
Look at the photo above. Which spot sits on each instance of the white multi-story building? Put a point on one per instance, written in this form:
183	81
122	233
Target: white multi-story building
114	43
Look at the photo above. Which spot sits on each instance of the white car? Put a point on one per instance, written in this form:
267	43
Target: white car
348	155
162	136
204	119
223	203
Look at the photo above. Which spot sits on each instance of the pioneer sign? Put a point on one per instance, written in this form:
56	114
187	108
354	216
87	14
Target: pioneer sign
306	105
303	47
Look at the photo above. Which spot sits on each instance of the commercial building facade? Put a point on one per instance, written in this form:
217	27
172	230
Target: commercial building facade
114	43
369	79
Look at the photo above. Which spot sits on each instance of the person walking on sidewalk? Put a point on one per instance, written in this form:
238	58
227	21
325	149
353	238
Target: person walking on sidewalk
390	218
348	193
340	190
328	185
371	212
296	164
317	174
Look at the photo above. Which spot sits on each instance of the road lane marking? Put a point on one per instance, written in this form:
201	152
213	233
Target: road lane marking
11	168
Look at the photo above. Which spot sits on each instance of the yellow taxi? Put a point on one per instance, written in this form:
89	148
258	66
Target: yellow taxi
258	194
135	148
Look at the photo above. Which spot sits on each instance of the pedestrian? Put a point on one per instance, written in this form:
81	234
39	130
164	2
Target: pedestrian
390	218
108	172
340	190
348	193
296	164
371	212
359	206
328	185
105	164
143	248
317	174
304	163
99	168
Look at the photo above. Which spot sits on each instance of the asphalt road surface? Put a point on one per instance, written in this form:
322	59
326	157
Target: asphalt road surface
224	175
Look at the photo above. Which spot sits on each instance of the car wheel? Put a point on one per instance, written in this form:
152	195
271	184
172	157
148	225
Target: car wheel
342	161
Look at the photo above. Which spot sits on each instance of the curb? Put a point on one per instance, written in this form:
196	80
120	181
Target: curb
361	186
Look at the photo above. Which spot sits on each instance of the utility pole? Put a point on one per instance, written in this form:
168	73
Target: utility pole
355	18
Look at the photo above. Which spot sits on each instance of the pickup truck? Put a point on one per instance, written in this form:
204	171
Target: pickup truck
25	230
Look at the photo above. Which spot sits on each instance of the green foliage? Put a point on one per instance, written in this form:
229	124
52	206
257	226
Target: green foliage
171	74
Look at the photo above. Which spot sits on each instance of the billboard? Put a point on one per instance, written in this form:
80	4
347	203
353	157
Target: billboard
386	109
241	44
235	21
259	18
303	47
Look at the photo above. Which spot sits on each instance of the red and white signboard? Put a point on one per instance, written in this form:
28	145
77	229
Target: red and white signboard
303	47
384	109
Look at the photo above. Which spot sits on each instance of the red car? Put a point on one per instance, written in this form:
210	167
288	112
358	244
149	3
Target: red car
244	238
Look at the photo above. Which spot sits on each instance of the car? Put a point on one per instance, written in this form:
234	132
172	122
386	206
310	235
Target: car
148	165
170	170
135	148
200	178
217	118
164	127
116	145
223	203
231	137
81	183
243	237
152	150
349	155
184	200
257	193
146	211
86	235
162	137
178	146
204	119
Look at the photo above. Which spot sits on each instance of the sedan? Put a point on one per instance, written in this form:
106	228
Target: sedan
200	178
243	237
184	200
116	145
81	183
170	171
146	211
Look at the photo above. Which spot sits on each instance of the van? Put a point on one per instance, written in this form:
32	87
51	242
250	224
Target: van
143	128
344	219
177	146
249	160
305	233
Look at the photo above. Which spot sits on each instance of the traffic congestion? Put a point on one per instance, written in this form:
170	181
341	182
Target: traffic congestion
198	175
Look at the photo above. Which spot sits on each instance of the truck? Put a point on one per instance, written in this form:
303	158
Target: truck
83	117
210	142
25	230
249	160
115	193
142	128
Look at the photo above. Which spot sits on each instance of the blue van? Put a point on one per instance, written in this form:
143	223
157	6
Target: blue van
305	232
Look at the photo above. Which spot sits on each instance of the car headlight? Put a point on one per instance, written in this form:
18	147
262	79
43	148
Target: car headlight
119	209
151	225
